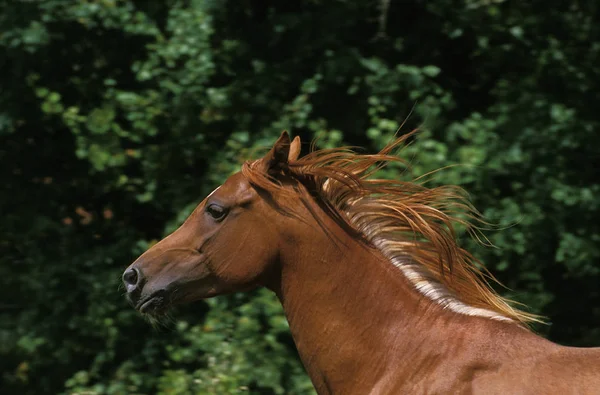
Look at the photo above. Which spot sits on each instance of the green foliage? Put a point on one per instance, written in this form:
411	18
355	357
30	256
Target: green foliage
118	116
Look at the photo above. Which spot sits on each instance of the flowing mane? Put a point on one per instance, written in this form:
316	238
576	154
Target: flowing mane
411	224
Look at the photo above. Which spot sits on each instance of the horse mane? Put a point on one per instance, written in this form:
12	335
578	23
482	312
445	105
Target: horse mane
414	226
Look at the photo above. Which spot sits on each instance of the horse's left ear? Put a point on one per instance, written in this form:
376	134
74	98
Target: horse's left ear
277	158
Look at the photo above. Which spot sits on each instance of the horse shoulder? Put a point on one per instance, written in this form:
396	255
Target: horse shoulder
542	367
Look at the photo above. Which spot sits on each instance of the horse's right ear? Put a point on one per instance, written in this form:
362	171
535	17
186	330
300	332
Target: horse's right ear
295	148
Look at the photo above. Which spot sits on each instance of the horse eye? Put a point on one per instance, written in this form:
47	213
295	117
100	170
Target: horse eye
216	211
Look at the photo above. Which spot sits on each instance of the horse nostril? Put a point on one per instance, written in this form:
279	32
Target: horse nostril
131	278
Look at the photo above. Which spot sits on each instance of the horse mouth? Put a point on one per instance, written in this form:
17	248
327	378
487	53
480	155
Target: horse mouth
153	304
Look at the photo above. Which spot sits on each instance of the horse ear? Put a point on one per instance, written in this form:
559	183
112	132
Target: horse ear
278	156
294	149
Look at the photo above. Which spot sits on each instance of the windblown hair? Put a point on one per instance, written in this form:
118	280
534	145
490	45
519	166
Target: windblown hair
411	224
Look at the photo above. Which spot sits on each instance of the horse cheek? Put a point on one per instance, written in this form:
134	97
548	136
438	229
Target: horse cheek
247	258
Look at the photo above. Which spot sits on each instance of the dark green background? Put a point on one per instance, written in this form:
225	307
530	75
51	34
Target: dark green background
117	117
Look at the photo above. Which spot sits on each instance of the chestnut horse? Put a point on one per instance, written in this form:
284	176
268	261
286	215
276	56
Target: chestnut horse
379	297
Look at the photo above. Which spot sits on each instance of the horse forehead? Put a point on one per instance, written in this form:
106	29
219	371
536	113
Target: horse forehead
237	184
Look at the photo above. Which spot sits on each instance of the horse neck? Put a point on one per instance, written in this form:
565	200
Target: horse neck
353	315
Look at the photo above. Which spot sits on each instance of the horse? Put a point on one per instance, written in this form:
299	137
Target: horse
379	296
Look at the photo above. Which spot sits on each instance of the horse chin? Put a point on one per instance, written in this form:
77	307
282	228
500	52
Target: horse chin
155	304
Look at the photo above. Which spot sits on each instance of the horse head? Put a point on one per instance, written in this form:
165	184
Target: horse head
227	244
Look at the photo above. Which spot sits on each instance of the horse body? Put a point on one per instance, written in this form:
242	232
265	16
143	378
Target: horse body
360	326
